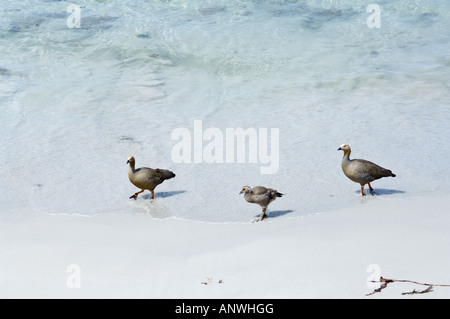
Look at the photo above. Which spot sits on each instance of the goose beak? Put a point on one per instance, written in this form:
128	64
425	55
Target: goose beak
128	162
240	192
339	149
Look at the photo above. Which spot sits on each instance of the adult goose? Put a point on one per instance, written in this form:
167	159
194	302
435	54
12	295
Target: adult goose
146	178
361	171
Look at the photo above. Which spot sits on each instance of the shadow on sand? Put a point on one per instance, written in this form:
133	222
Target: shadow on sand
163	194
381	191
275	214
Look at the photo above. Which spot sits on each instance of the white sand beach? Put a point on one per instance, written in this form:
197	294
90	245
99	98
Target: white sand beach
319	256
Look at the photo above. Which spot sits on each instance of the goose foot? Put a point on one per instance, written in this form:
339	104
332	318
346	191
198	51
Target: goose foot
372	191
135	195
263	214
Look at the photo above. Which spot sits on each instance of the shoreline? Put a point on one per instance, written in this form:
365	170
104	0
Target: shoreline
317	256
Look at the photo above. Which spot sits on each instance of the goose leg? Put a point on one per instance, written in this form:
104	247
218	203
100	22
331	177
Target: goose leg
135	195
362	190
153	194
370	187
263	213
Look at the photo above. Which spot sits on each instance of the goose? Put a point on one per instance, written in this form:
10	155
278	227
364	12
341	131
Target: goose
146	178
362	171
260	195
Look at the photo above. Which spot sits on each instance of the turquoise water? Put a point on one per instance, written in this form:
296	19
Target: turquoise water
76	102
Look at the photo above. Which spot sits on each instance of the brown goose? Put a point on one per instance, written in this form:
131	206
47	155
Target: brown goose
361	171
146	178
260	195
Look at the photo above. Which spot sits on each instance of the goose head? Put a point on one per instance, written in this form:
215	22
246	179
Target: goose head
130	160
245	190
346	148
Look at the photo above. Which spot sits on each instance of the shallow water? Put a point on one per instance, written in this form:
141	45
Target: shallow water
77	102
